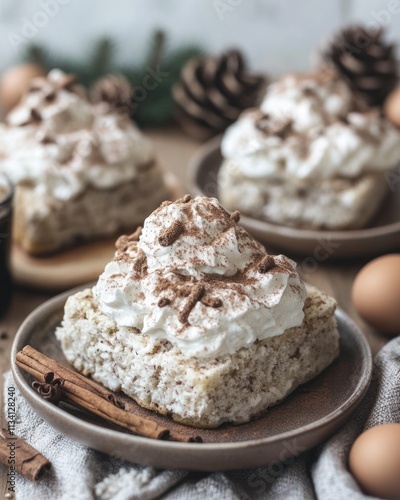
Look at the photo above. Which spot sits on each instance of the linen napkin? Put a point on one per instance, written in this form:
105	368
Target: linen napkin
84	474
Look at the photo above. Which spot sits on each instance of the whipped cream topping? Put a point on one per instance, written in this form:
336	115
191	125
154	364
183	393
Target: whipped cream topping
58	142
193	276
310	102
310	128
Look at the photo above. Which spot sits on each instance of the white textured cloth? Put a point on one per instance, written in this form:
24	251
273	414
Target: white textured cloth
83	474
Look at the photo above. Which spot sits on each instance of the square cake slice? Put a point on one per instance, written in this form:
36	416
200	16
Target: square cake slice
192	318
82	169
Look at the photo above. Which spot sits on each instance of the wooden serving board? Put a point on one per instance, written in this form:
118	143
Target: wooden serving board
64	270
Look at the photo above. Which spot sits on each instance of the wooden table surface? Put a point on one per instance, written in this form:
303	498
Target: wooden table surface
174	151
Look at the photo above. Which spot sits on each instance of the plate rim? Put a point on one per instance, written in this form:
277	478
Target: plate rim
212	145
21	339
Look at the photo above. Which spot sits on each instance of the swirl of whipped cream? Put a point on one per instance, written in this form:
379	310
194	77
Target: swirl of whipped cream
309	101
197	279
263	145
58	142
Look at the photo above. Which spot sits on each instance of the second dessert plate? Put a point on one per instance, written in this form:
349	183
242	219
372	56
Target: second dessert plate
305	419
383	235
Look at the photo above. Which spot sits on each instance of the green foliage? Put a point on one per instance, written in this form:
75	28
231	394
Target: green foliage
153	106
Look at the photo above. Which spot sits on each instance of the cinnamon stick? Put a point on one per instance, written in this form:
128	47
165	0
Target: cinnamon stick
84	393
21	457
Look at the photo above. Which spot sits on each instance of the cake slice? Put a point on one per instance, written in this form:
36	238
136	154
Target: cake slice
81	170
194	319
308	157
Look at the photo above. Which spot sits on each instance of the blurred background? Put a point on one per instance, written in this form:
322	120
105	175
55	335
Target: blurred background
275	35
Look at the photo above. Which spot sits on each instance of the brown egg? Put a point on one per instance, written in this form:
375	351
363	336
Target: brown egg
15	81
374	461
376	293
391	107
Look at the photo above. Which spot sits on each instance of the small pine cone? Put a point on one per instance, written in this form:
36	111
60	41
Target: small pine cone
114	90
213	91
365	61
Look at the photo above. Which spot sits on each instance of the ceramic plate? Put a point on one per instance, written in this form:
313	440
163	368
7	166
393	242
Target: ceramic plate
305	419
383	235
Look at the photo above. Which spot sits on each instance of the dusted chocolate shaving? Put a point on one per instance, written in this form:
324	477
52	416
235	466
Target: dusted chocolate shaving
140	264
171	234
235	216
164	301
184	199
136	234
211	302
269	126
266	264
125	242
184	291
50	388
195	295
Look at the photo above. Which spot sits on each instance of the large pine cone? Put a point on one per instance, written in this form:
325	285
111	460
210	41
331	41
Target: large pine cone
365	61
213	91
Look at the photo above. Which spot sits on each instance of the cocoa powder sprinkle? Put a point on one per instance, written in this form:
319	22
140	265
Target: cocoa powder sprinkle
184	199
211	302
140	264
171	234
164	301
235	216
266	264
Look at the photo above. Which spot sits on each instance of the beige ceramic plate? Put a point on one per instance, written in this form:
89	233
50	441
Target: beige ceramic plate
305	419
382	236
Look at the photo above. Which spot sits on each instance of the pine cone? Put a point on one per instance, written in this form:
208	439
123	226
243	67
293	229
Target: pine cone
114	90
212	92
365	61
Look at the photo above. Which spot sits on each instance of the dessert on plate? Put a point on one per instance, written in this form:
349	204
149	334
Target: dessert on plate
81	170
194	319
309	156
